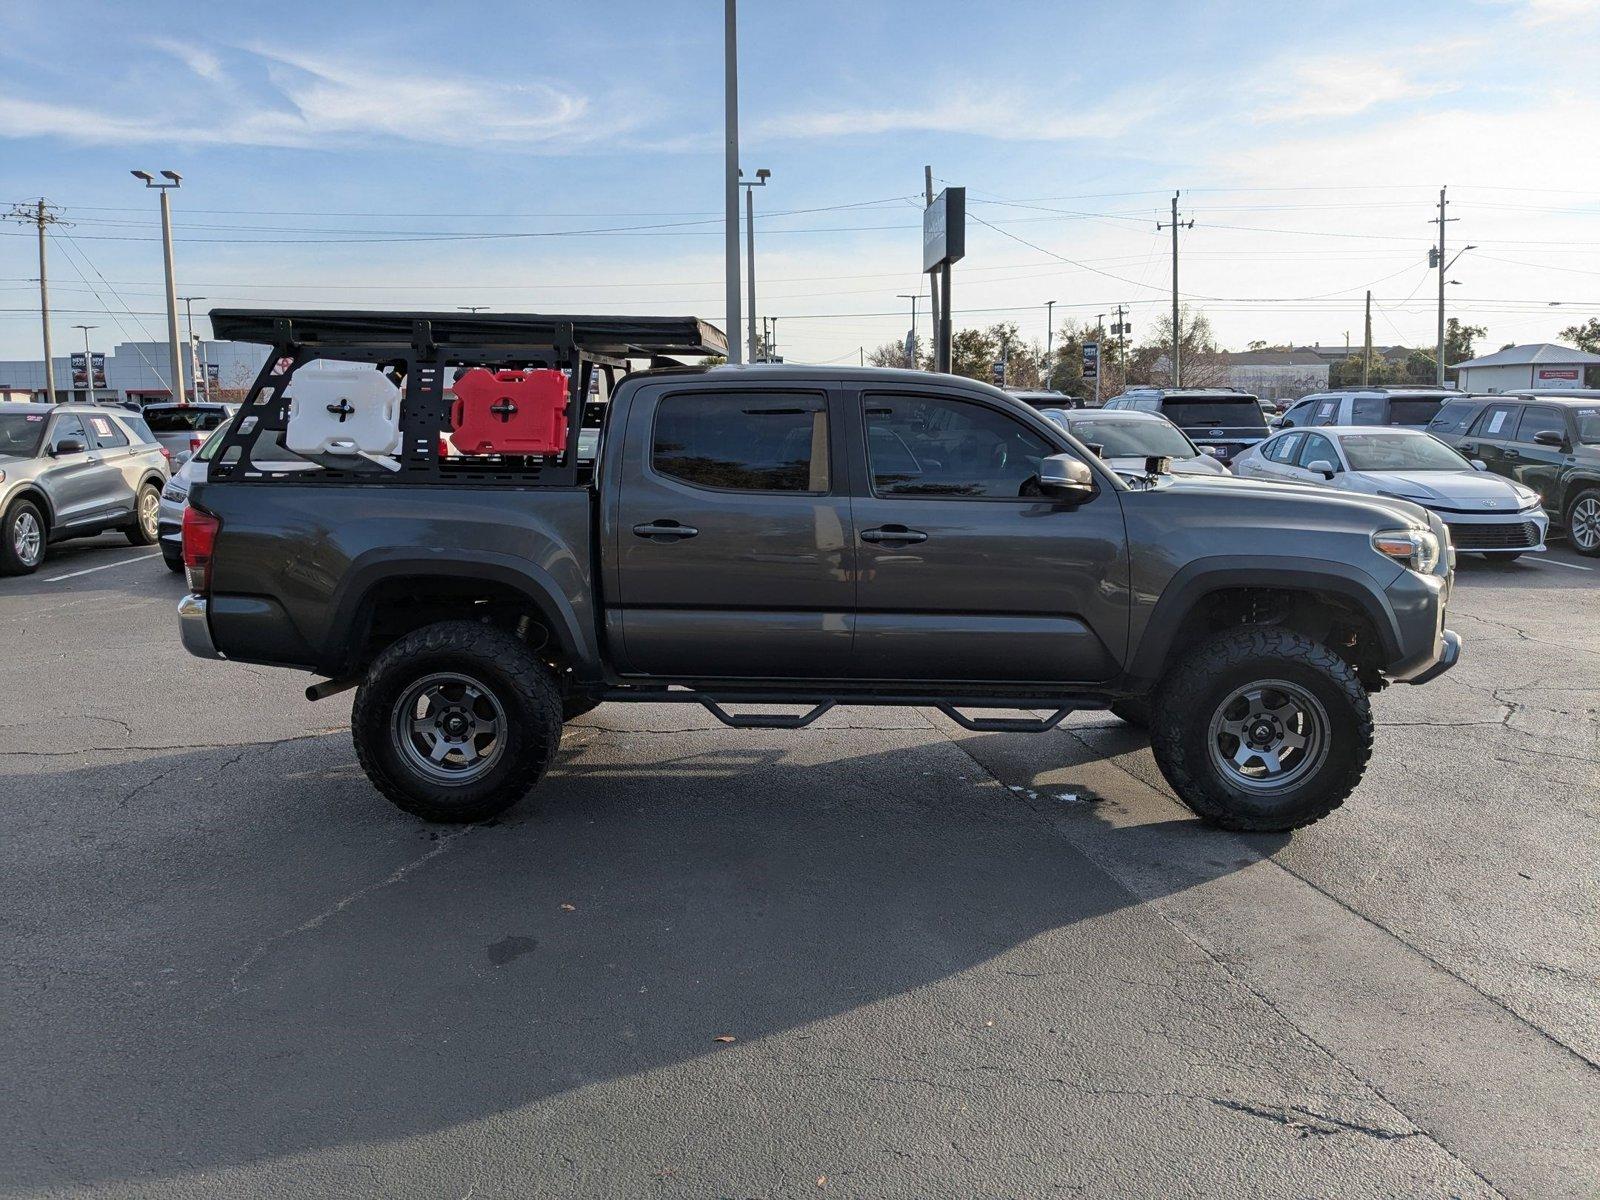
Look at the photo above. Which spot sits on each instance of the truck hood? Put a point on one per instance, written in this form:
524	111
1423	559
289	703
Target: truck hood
1288	504
1470	490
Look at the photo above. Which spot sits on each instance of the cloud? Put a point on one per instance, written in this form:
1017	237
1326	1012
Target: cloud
1543	12
1007	116
275	98
1326	87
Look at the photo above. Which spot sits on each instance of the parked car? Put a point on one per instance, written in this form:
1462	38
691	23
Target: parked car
1042	399
183	428
795	534
1222	422
175	495
1484	513
1548	441
73	470
1125	440
1412	407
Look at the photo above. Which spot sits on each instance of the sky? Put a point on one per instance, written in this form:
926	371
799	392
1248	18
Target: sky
544	157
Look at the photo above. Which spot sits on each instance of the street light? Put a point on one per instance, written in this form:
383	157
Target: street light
911	352
88	362
202	379
762	175
179	392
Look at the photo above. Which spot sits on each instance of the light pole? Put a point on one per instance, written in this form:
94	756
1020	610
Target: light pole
88	362
1049	339
911	353
730	172
202	385
179	392
762	175
1444	268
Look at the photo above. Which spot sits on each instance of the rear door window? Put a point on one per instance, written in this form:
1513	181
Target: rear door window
107	435
1496	421
183	419
1327	412
1414	411
1452	417
744	442
1366	410
1282	449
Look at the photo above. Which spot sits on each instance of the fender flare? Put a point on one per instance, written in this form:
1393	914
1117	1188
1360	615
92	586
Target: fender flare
1205	576
368	571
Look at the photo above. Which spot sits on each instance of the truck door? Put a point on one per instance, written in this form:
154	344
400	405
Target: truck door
1537	464
967	571
733	546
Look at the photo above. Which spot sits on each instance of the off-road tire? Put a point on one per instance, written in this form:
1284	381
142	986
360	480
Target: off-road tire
1134	710
575	704
12	563
525	688
1197	685
136	533
1592	494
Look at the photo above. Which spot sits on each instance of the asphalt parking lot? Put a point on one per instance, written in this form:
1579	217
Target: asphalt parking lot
878	957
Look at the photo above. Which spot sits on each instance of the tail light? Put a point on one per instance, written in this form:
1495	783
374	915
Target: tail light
200	531
195	442
166	454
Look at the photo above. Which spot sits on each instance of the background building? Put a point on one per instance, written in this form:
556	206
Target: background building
1276	374
1537	365
135	371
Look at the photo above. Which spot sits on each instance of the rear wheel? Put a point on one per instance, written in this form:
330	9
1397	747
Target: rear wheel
22	539
146	517
1583	523
1262	729
456	721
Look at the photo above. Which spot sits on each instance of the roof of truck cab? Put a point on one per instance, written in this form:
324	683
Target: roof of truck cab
800	372
622	337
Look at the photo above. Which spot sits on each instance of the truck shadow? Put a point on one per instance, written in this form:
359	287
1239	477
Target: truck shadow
209	976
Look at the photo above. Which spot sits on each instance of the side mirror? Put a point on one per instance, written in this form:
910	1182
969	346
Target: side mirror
69	446
1550	437
1322	467
1479	465
1066	477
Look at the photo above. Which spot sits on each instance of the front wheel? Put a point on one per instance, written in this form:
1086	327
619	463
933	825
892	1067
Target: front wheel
22	539
456	721
1583	523
1262	729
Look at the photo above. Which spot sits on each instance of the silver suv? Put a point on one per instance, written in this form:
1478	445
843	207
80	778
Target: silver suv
73	470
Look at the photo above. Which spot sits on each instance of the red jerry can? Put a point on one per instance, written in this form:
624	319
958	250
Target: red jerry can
509	412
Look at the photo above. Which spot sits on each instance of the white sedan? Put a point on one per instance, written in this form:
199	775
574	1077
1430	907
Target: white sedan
1124	439
1485	514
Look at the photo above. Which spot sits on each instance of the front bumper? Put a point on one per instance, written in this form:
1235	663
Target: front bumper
1450	652
195	628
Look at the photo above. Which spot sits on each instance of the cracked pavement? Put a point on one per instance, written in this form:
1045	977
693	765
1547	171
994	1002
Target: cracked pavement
951	964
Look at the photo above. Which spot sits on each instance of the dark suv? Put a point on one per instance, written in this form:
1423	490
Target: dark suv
1223	422
1548	442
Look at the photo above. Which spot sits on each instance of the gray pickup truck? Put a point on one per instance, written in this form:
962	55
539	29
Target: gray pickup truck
791	535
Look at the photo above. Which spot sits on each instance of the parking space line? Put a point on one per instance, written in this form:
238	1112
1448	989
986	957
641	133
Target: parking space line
1556	562
103	567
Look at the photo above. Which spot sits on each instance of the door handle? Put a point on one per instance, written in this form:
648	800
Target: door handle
664	529
1511	454
894	534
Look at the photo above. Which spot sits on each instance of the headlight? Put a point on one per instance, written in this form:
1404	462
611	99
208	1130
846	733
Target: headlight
1528	496
2	476
1414	548
174	492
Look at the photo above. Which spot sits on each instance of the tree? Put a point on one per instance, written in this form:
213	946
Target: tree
893	354
1347	372
1585	337
1202	364
1459	339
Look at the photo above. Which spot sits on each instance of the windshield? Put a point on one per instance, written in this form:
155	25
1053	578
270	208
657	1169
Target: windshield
183	420
1399	452
1588	422
1200	415
1134	439
20	432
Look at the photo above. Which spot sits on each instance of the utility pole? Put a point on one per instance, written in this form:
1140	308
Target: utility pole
730	172
202	385
1441	220
861	355
933	280
1049	337
179	392
1177	330
40	215
762	176
1366	352
88	362
1100	354
911	354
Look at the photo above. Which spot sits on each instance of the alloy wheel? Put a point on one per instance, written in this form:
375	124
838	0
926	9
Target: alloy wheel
149	513
1584	526
27	538
450	728
1268	735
